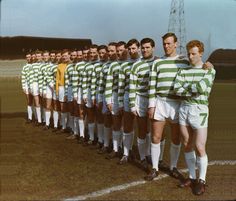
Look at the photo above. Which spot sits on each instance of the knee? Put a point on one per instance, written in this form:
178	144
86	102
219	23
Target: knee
200	148
156	139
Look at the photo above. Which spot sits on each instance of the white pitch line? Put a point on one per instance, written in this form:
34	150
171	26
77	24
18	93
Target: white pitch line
136	183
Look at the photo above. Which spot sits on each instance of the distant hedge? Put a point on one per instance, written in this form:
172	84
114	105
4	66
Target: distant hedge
16	47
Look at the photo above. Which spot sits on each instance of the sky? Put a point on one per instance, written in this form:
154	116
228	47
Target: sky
103	21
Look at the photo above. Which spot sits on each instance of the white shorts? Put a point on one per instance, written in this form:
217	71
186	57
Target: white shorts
126	102
115	103
80	96
89	103
61	94
69	94
167	108
141	105
193	115
26	90
35	89
49	92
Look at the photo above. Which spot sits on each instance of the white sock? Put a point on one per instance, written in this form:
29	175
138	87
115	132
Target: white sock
63	119
30	112
107	132
81	128
55	118
116	135
174	155
162	149
202	163
91	130
76	125
190	159
141	147
148	144
48	115
155	153
127	142
38	112
100	130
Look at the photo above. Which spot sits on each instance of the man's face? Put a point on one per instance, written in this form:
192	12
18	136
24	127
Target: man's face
28	58
66	57
102	54
33	58
73	56
121	52
147	50
79	56
52	56
46	56
86	55
39	57
133	51
93	54
194	56
169	46
58	57
112	52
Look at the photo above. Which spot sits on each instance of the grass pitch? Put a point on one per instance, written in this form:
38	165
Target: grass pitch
39	165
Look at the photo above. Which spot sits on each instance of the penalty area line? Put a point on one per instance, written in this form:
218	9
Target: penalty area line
136	183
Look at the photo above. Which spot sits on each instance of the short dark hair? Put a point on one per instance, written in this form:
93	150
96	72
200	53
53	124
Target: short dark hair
133	41
100	47
120	43
112	44
94	46
64	51
148	40
170	34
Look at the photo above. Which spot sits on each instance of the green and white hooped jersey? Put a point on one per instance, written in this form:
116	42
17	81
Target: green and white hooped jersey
124	78
34	73
95	80
112	81
77	77
139	78
51	75
102	81
25	78
194	84
42	76
69	76
162	76
87	77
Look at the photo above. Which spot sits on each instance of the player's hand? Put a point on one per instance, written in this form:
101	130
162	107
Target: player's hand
94	102
151	111
65	98
109	106
85	100
207	66
135	113
44	95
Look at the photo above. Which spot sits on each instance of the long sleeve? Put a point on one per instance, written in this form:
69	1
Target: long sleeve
201	86
132	88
